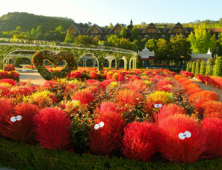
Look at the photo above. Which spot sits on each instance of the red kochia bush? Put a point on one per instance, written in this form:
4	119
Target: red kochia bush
210	107
22	130
214	138
6	108
4	90
9	81
107	138
139	141
175	149
168	110
52	128
84	96
20	90
163	83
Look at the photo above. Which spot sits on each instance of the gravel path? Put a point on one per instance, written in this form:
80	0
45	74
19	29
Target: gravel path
209	87
31	75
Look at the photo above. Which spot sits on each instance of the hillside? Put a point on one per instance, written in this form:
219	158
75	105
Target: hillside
26	21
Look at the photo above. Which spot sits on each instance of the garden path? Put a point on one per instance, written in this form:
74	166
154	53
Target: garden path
32	75
209	87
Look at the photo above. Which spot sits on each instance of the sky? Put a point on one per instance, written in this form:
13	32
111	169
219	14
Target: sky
104	12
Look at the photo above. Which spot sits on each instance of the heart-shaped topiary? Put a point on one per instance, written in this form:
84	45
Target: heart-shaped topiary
39	56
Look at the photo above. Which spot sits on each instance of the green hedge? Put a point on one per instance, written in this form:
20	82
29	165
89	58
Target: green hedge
32	157
197	69
202	67
209	68
18	61
217	71
193	67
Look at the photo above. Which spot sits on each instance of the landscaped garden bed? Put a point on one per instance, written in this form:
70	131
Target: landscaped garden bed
134	115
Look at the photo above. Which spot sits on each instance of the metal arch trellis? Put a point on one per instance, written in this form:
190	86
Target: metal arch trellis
100	54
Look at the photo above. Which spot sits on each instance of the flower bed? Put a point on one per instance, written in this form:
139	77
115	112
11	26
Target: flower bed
186	73
168	117
9	75
211	80
9	67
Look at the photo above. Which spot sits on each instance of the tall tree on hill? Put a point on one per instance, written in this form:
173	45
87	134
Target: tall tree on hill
201	40
110	25
151	44
69	37
180	49
123	32
161	50
134	34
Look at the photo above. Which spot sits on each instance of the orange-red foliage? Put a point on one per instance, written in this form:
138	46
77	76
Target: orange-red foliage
195	90
9	81
93	89
139	141
136	85
187	82
107	138
210	107
84	96
175	149
204	95
20	90
191	86
120	77
163	83
3	91
129	97
213	126
6	108
168	110
52	128
22	130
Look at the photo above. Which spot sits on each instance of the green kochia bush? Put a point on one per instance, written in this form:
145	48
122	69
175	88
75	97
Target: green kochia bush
197	69
22	156
217	71
209	68
202	67
193	67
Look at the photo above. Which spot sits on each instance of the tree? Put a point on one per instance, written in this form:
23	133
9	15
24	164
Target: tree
209	68
193	67
123	32
18	28
134	34
151	44
110	25
197	69
202	67
59	29
200	40
217	71
83	39
220	20
213	43
95	40
39	29
179	49
69	37
162	50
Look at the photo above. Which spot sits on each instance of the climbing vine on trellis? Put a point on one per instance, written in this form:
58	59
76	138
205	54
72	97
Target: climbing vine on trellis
77	53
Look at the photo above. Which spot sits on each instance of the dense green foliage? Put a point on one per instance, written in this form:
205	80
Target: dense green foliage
69	37
209	68
201	40
193	67
18	61
217	71
202	67
23	156
29	26
27	21
197	69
